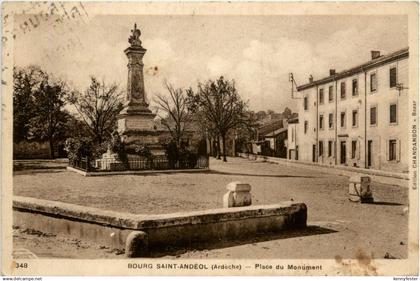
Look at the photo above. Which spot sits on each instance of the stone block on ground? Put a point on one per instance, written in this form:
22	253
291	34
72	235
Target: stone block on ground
238	195
359	189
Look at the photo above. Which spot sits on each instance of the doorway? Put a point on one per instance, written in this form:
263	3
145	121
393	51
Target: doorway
369	153
342	152
313	153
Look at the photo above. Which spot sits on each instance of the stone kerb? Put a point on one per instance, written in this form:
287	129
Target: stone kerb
134	172
381	176
139	233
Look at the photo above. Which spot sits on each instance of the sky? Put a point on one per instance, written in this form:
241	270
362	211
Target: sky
258	52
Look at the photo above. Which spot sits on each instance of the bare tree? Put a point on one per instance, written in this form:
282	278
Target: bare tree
98	107
175	108
221	105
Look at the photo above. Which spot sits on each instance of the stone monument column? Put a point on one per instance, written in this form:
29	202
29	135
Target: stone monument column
135	121
136	95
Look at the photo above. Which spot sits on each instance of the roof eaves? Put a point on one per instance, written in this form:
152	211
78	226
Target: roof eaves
360	68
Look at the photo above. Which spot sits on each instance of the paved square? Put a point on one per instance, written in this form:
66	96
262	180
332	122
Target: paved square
337	227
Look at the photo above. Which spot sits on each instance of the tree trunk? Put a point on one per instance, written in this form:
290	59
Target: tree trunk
224	147
234	146
210	150
209	147
51	148
99	138
178	137
213	147
218	147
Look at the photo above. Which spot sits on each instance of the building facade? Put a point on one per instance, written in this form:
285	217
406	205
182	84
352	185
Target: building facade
292	141
275	143
358	117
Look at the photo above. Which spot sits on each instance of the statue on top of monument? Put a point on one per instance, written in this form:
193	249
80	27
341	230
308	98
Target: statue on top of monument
134	38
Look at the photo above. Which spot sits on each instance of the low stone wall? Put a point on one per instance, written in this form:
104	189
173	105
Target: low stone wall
124	230
400	179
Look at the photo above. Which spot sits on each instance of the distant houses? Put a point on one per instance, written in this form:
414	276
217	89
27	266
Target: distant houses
272	135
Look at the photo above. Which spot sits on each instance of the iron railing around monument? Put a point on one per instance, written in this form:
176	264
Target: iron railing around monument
81	164
160	162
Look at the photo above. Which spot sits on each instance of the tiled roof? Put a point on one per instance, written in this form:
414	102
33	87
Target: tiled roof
275	133
270	127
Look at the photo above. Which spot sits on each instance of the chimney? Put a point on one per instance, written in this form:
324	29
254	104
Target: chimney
375	54
332	72
311	79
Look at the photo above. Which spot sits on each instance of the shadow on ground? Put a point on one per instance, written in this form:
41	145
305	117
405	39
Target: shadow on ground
38	171
285	234
254	175
384	203
22	167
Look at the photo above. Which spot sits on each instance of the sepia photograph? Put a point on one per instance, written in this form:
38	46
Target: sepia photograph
209	138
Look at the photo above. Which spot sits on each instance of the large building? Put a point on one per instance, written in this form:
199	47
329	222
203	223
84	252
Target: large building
357	117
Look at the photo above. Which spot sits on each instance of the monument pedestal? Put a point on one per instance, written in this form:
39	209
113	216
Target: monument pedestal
140	129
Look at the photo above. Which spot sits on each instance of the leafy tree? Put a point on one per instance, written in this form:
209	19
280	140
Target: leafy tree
287	113
261	115
48	122
172	153
25	83
76	128
98	107
38	106
175	108
79	147
221	106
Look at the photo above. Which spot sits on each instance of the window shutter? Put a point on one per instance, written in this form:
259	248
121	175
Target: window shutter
358	149
376	82
398	152
387	150
393	77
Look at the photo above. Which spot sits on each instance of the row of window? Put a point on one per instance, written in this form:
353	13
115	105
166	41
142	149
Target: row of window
392	149
355	117
392	79
331	148
392	114
354	87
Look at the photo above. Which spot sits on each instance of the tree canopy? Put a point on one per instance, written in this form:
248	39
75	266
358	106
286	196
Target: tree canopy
222	108
38	104
98	107
175	108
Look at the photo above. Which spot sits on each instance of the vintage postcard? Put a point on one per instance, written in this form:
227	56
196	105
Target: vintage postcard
212	138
